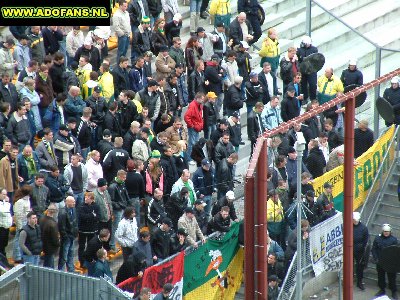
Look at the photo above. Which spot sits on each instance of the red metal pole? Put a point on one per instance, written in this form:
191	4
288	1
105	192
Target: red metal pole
348	199
249	266
262	284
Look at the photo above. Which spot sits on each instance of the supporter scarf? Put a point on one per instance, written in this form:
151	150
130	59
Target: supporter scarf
48	147
30	163
161	31
119	181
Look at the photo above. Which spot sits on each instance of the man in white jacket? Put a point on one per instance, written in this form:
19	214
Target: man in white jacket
127	232
74	40
76	177
122	28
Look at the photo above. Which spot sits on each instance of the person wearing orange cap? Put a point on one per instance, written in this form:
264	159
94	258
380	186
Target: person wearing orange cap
210	114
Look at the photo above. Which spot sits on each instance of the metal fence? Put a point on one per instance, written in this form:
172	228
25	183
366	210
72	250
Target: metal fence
29	282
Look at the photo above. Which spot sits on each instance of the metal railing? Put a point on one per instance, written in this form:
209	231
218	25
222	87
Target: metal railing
379	183
28	282
378	50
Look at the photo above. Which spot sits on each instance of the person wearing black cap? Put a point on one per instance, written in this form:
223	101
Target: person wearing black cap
103	200
7	62
221	45
273	288
234	128
189	223
22	52
310	208
180	241
105	145
176	51
206	41
204	184
325	206
291	167
217	134
290	105
161	239
164	63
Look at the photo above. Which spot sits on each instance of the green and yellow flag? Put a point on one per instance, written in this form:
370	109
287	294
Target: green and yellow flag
215	270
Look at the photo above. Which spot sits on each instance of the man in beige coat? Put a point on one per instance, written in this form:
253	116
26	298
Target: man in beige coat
189	223
164	63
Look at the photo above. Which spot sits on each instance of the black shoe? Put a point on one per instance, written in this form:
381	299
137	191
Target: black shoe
242	143
204	15
380	293
361	286
394	296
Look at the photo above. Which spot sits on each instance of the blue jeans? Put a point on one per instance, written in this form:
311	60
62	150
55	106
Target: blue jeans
48	261
17	253
209	131
136	205
33	259
193	138
123	44
207	208
117	218
67	254
84	153
249	108
78	198
195	6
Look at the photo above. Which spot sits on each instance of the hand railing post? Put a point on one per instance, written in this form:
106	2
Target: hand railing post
378	56
308	17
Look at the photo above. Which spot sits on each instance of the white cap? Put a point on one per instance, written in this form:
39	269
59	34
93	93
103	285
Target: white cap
356	216
395	79
386	227
244	44
177	17
353	62
88	41
230	195
306	40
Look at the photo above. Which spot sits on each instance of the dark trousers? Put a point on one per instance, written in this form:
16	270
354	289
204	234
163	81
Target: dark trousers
83	239
255	23
3	239
359	266
309	86
204	5
382	279
48	261
126	251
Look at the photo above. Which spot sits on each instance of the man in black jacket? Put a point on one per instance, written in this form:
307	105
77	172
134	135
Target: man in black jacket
8	92
156	210
97	242
225	174
290	105
68	227
352	75
221	221
120	200
171	175
214	74
315	161
121	76
161	239
115	160
197	81
250	7
149	98
111	120
56	72
236	32
136	9
30	240
308	81
226	200
57	187
254	92
130	136
105	145
88	223
50	236
83	132
233	100
254	124
99	108
127	111
360	241
141	39
87	49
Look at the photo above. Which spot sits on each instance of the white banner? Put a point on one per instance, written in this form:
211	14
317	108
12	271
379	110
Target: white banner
326	245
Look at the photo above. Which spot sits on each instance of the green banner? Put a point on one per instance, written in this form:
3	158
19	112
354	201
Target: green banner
210	261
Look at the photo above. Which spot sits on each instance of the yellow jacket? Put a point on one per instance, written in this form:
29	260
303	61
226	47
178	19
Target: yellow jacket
106	82
274	211
333	87
269	48
220	7
139	107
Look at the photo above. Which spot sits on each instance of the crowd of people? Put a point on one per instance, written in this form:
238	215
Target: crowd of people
100	153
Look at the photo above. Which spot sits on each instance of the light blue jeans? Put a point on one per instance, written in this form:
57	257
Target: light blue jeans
193	138
17	253
33	259
117	219
195	5
67	254
207	208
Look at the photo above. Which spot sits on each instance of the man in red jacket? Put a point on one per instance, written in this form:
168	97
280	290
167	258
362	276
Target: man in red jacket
194	120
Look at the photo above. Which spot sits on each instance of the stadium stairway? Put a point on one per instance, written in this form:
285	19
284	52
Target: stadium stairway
386	212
